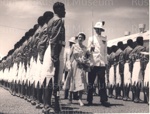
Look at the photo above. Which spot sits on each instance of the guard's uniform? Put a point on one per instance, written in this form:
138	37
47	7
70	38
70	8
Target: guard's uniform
127	74
33	61
29	61
119	73
145	69
42	46
15	71
57	43
124	58
136	70
119	80
112	70
146	75
136	73
54	55
10	72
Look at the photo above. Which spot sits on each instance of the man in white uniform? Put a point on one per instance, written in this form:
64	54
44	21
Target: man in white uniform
97	44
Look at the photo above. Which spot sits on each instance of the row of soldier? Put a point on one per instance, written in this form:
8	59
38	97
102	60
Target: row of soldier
21	70
127	70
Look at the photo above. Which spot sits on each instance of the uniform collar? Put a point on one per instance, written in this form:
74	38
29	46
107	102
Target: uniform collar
100	37
128	47
56	16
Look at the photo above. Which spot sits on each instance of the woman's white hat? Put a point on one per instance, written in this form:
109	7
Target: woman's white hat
72	40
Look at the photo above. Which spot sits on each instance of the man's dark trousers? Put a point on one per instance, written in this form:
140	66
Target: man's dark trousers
100	72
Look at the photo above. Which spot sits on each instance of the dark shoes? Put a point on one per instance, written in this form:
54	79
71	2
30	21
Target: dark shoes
105	103
90	103
76	98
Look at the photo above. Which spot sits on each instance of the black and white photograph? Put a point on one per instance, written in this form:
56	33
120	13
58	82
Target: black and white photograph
74	56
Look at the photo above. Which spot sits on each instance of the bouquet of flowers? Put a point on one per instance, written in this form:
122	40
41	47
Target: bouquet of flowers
85	62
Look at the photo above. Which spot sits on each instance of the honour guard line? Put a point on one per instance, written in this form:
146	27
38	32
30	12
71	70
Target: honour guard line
37	68
33	66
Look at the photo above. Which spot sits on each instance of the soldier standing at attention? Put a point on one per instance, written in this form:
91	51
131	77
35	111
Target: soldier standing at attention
145	67
36	89
112	72
28	52
119	71
127	75
135	68
56	34
15	69
42	46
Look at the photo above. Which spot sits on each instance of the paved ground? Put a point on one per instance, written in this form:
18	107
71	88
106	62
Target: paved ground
13	105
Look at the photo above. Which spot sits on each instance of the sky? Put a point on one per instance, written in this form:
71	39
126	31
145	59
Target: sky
18	16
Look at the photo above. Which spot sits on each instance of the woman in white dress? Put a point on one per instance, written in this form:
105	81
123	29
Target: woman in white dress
79	65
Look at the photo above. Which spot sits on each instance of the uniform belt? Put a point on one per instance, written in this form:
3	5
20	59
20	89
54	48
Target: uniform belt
63	43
